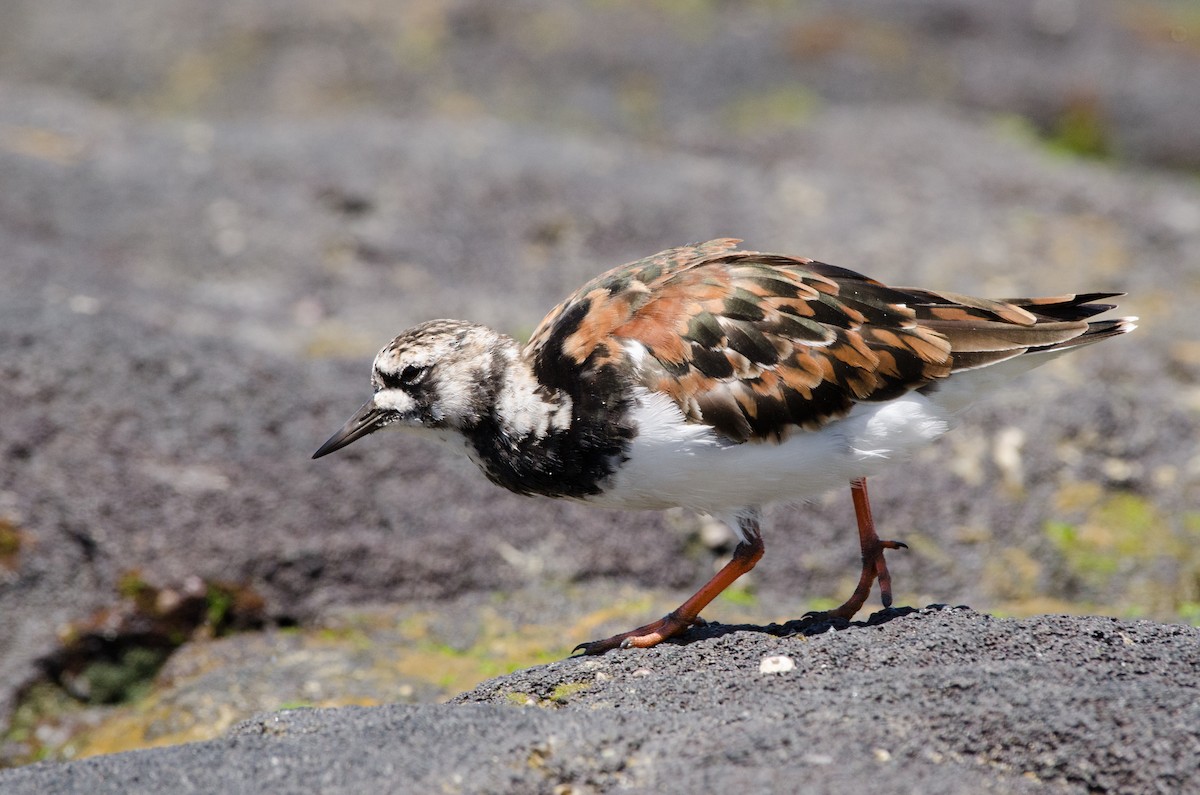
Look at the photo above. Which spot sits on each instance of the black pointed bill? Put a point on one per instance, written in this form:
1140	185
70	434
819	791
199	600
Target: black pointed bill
366	419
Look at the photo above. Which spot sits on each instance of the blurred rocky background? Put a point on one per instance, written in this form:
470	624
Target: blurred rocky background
212	214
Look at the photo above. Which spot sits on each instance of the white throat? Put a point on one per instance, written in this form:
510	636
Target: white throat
523	408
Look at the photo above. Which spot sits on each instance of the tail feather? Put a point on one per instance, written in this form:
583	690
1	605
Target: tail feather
983	332
1065	307
984	336
993	341
1096	330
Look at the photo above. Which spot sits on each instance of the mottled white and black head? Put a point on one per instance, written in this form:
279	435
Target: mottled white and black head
441	375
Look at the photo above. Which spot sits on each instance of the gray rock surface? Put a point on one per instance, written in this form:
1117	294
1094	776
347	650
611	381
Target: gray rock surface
939	701
211	217
161	403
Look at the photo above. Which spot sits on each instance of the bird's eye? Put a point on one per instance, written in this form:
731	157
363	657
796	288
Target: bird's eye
411	374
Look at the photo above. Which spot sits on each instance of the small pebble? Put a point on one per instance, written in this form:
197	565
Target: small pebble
777	664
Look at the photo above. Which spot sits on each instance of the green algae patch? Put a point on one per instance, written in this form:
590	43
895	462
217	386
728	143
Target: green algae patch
519	699
784	107
562	693
12	539
739	596
1127	553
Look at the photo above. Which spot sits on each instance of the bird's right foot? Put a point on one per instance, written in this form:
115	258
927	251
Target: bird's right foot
643	637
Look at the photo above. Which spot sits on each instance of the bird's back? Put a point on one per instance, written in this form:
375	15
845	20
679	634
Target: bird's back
760	346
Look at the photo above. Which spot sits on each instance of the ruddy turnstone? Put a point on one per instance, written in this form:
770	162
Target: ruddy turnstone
718	380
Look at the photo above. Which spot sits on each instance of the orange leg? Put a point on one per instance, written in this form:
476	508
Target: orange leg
746	554
873	565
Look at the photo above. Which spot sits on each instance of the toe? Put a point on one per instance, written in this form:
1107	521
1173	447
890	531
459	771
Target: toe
641	638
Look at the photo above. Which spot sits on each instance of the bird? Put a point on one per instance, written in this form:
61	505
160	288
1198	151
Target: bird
719	380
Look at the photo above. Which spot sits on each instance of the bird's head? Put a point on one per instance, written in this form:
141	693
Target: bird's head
439	376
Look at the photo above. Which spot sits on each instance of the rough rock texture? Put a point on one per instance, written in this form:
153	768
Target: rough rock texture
160	405
940	701
211	219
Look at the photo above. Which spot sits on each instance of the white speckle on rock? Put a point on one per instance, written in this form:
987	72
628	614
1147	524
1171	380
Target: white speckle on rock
776	664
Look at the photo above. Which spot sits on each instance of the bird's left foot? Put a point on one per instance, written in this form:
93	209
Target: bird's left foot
874	568
643	637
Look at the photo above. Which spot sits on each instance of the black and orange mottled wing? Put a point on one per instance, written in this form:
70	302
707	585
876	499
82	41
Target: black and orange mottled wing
757	345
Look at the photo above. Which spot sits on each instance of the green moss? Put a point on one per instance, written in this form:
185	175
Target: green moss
42	704
1190	612
1126	553
782	108
742	597
218	604
1092	562
1121	528
491	668
519	699
131	585
1081	130
444	649
489	658
10	539
125	679
820	604
563	692
354	636
1133	519
290	705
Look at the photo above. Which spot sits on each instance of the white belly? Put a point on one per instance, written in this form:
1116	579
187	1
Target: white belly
676	463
